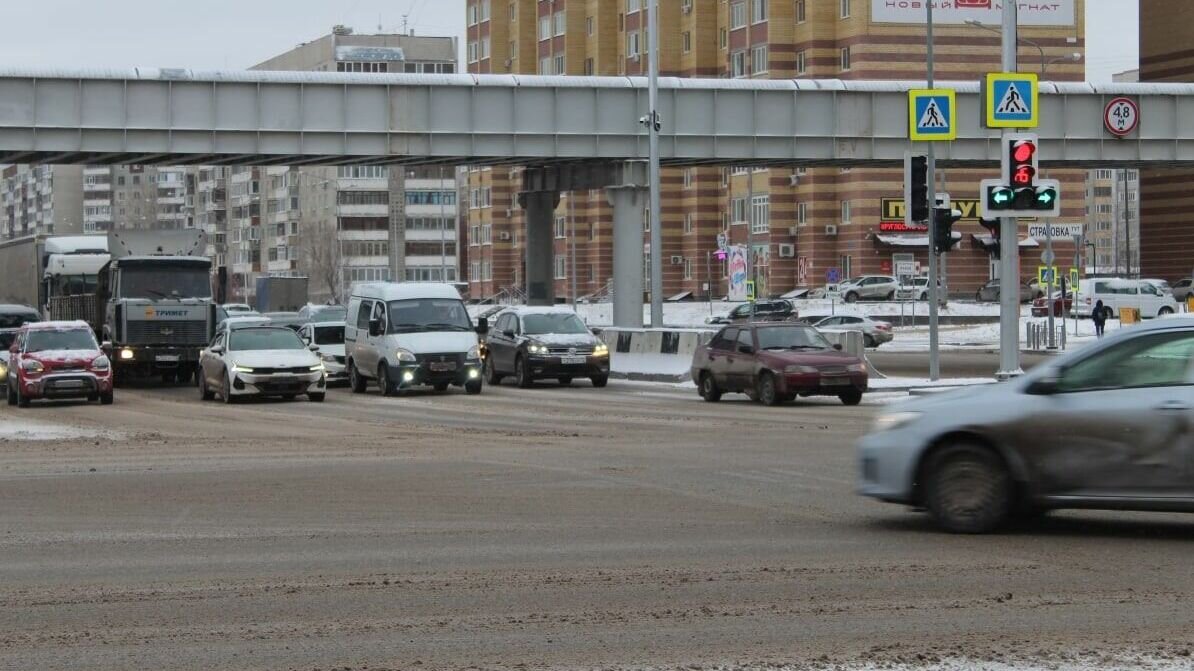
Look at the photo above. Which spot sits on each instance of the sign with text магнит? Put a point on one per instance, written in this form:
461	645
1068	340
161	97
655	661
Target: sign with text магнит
957	12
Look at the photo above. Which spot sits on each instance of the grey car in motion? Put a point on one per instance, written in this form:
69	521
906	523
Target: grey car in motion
1109	426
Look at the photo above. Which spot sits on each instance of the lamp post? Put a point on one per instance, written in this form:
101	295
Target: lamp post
1075	57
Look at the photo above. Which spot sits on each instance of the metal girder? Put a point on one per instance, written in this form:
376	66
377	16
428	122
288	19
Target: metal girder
173	116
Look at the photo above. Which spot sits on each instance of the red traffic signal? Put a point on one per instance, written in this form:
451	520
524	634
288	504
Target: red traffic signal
1022	175
1020	162
1023	151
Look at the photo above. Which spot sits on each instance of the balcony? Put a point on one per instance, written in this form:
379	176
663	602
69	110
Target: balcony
430	261
363	210
430	236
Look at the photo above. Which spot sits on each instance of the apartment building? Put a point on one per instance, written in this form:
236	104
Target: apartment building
120	197
1165	196
800	222
40	200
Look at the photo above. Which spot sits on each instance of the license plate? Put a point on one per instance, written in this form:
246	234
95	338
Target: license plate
442	366
835	381
166	358
573	360
68	383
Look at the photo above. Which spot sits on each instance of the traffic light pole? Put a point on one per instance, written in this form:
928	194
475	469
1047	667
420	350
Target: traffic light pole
1009	259
934	345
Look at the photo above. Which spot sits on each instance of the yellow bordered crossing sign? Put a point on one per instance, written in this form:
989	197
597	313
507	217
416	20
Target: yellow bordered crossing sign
1012	100
931	115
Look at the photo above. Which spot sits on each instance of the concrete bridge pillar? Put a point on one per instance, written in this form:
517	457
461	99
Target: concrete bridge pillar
540	207
629	202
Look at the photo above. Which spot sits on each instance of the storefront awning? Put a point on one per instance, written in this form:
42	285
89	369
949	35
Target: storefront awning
987	241
907	240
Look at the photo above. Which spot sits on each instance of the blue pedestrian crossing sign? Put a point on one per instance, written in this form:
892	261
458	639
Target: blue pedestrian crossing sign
931	115
1012	100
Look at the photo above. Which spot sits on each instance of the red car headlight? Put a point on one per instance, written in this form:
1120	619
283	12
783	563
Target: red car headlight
33	367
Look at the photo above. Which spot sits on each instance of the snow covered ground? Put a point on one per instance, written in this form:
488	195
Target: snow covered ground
23	429
694	314
986	336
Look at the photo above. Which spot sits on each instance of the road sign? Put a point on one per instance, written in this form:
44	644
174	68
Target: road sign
833	276
802	270
1041	231
905	268
996	199
1048	257
1012	100
750	290
1121	116
1046	274
931	115
1074	279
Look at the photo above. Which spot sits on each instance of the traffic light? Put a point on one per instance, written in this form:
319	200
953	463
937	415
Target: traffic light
944	219
992	226
917	175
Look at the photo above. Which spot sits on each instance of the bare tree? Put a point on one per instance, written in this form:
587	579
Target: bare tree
321	256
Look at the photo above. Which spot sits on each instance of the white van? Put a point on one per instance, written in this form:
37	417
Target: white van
402	335
1144	295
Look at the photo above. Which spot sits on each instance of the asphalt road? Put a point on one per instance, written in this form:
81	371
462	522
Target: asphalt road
631	527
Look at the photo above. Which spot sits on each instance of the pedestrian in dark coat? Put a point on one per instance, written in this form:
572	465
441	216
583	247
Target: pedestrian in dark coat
1099	317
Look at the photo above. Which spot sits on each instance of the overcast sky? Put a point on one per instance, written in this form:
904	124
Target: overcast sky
215	34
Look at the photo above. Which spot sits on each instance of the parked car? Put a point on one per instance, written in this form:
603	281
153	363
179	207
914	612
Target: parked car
869	288
290	320
1182	289
57	359
764	311
874	332
774	363
328	339
12	318
916	290
1143	295
1062	305
323	313
250	360
1108	426
530	343
223	313
402	335
989	293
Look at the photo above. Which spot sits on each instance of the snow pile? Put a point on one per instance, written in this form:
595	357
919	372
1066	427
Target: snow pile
20	429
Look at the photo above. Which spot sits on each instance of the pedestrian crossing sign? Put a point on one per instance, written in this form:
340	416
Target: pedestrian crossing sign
931	115
1012	100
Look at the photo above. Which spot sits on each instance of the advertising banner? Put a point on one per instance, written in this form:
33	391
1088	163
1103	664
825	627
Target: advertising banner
736	263
958	12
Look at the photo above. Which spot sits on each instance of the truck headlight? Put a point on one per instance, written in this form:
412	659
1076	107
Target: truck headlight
126	354
894	420
405	356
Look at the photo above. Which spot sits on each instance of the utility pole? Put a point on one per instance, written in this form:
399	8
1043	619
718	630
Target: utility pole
934	345
1127	222
653	124
572	245
1009	260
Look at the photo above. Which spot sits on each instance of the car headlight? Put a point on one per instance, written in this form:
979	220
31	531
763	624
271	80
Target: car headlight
31	366
894	420
601	349
101	363
3	370
405	356
318	368
126	354
242	369
474	353
801	370
536	348
856	367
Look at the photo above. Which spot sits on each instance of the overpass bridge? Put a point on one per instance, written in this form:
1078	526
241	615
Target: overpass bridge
576	132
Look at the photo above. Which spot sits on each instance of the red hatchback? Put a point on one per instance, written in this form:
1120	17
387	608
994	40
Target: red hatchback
774	363
58	360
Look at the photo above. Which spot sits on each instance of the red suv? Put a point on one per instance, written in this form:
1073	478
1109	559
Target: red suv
58	360
773	363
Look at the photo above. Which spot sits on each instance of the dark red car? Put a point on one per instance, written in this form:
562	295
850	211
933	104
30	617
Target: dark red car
773	363
58	360
1061	307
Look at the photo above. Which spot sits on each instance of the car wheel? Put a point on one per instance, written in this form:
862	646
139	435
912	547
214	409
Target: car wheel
316	398
1163	312
599	381
440	386
226	390
106	399
521	375
851	397
383	380
709	390
492	376
565	381
968	489
852	297
355	381
765	390
472	387
12	394
868	341
205	394
891	295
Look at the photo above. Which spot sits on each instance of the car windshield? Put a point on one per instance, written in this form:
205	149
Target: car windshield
791	337
165	282
13	320
329	335
44	340
553	323
255	339
428	314
334	313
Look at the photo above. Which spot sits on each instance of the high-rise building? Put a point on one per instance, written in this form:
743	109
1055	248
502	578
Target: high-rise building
801	222
40	200
1165	196
120	197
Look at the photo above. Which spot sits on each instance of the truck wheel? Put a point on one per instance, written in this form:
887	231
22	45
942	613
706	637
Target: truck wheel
106	399
355	382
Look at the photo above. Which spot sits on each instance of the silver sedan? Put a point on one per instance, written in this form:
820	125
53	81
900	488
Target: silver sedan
1105	427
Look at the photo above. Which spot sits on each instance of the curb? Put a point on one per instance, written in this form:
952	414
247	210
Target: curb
648	377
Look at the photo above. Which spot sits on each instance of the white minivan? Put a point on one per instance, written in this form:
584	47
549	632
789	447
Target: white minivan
408	334
1144	295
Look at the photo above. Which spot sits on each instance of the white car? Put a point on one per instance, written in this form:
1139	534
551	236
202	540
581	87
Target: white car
328	340
1144	295
254	360
874	332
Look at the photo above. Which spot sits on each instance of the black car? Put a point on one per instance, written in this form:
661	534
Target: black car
764	311
12	318
541	343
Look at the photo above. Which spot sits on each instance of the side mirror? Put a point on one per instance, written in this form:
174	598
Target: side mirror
482	326
313	347
106	346
218	349
509	333
837	346
746	349
374	327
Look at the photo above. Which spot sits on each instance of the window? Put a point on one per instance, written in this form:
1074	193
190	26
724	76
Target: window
758	59
745	338
363	172
722	39
561	267
633	6
632	45
801	63
845	58
589	67
738	211
758	10
484	10
688	225
430	197
686	41
800	15
472	15
802	213
688	269
561	227
1159	360
725	340
738	15
544	27
688	173
559	65
559	22
760	214
845	7
589	26
545	65
363	198
738	64
513	49
484	48
845	211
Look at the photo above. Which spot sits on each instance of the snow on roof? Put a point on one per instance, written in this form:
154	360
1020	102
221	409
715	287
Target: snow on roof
397	291
77	244
57	325
541	310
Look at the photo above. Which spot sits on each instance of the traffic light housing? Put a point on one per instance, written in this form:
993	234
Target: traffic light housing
944	219
992	226
917	176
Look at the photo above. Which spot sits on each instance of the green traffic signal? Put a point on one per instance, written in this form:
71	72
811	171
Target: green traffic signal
999	198
1046	198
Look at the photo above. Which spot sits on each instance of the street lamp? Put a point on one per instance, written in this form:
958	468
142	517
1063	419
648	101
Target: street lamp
1075	57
